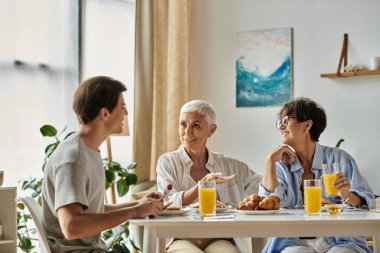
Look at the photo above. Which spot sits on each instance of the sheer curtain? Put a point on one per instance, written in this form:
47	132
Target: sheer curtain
162	81
38	77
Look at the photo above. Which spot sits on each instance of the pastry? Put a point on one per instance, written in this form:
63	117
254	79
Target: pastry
256	202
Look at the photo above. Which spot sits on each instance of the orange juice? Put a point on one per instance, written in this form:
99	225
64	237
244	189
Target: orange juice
329	175
328	182
313	199
207	200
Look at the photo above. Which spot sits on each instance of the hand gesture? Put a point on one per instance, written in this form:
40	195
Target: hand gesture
284	153
342	183
148	207
218	178
154	195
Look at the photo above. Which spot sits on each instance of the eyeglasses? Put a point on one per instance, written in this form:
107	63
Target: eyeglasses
283	122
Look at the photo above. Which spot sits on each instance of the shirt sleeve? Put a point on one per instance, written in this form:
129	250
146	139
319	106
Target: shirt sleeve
282	191
70	181
251	180
165	175
359	184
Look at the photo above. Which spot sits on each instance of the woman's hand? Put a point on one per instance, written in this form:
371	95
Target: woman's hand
218	178
342	184
284	153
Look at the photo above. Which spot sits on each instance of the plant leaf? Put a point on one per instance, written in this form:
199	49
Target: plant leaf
107	185
50	148
48	130
122	187
134	245
68	135
339	143
132	166
110	176
131	179
21	206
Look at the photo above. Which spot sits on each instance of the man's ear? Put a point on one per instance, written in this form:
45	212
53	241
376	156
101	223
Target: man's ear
103	113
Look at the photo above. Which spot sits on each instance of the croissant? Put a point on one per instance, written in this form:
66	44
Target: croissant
255	202
250	203
270	203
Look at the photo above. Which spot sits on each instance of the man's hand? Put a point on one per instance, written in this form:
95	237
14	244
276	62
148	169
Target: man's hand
148	207
154	195
218	178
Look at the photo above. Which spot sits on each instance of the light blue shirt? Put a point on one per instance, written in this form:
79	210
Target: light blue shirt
289	191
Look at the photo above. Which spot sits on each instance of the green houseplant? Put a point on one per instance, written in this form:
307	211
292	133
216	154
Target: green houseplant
339	143
116	238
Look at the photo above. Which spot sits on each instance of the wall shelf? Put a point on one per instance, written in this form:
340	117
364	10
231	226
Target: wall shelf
343	61
6	241
352	73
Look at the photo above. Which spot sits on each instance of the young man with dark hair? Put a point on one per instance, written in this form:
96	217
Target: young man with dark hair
74	213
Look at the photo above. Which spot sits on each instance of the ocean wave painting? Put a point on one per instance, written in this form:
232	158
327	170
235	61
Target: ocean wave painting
263	67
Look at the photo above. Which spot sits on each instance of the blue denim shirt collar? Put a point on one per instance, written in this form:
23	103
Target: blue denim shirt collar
317	161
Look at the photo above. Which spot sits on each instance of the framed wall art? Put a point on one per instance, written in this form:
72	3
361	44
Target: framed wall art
263	67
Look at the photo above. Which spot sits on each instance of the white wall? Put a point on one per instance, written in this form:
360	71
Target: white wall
352	104
109	35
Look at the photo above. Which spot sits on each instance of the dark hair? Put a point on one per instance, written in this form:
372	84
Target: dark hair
94	94
306	109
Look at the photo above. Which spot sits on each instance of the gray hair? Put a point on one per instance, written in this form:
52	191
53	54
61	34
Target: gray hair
201	107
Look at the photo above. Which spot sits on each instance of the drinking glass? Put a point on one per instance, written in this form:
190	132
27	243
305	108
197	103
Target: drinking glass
207	197
313	195
329	175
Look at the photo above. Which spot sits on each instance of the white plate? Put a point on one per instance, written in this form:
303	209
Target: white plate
258	212
181	211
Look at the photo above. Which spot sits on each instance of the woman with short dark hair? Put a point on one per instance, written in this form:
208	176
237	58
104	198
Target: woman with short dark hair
299	157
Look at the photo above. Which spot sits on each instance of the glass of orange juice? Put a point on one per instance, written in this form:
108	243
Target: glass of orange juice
312	196
329	175
207	197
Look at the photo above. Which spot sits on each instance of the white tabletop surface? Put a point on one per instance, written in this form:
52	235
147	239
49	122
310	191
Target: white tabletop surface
284	223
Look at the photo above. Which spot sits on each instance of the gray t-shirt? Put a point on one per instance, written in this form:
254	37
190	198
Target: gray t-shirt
73	174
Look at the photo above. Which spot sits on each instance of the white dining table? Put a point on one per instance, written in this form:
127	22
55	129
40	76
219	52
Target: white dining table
285	223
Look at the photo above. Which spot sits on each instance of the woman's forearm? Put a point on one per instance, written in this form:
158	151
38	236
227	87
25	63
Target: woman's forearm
189	195
351	198
269	181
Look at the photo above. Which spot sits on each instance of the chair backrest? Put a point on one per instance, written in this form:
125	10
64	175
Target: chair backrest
36	212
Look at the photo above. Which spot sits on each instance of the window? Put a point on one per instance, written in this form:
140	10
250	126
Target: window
108	49
38	77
